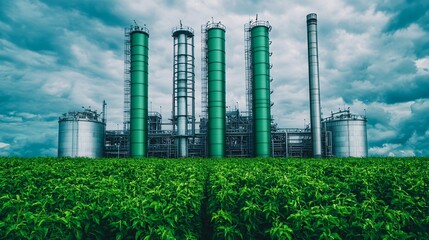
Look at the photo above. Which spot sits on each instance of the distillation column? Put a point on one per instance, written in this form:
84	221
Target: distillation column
261	103
183	87
313	72
215	36
139	39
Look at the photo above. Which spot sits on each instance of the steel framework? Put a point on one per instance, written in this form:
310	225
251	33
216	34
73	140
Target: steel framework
249	86
117	145
183	87
285	142
127	79
239	138
204	72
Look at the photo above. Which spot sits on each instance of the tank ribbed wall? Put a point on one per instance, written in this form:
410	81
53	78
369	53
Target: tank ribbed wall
261	104
139	93
216	91
313	72
349	134
81	134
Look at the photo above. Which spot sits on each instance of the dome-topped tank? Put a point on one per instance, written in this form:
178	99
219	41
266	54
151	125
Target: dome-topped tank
349	134
81	134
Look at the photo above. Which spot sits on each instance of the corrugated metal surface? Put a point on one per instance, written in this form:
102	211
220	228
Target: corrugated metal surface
79	136
349	135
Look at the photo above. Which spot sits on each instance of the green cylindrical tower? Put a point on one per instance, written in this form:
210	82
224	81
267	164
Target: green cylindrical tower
216	89
261	104
139	39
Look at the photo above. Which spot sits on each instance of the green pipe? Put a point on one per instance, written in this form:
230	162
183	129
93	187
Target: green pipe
261	103
216	91
139	94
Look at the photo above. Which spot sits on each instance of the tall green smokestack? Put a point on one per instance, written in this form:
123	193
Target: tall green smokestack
215	37
261	104
139	39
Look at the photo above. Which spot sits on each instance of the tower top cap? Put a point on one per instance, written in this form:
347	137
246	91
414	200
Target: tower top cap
311	16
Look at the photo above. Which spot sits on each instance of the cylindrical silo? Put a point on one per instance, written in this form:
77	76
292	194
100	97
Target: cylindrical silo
183	87
314	86
261	104
215	37
139	50
81	134
349	134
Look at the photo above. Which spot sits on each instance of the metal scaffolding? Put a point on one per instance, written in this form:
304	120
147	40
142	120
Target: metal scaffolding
127	78
204	73
248	67
238	138
116	144
285	142
249	77
183	87
204	91
298	142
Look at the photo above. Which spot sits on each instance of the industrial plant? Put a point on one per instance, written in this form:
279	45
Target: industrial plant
218	133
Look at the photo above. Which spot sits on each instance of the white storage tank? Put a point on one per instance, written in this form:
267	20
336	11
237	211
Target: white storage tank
81	134
349	134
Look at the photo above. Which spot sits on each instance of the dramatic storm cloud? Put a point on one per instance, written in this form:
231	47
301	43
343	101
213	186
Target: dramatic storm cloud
57	56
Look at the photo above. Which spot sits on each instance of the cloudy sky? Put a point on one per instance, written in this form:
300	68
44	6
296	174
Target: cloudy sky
60	55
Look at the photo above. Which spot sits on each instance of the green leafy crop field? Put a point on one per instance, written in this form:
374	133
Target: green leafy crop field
55	198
